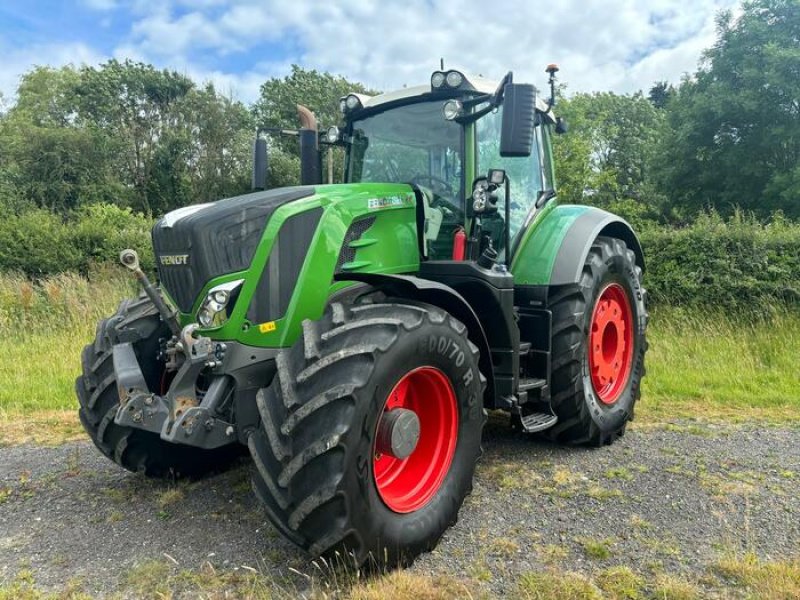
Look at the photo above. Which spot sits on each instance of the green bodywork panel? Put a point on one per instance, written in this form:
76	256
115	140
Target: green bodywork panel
532	264
388	246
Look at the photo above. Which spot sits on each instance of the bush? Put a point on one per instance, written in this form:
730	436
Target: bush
37	242
729	264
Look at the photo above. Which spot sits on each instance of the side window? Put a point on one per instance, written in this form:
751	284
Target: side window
524	173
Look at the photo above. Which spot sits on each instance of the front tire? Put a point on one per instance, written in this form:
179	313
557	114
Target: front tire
321	472
598	346
136	321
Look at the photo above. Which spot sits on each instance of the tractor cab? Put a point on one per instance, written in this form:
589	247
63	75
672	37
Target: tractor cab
477	152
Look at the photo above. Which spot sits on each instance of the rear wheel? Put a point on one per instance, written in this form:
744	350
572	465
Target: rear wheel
598	346
370	432
135	321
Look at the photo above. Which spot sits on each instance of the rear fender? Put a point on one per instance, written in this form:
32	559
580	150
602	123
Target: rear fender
554	249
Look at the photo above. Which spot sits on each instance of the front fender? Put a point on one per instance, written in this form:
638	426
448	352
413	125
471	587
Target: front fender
554	248
443	296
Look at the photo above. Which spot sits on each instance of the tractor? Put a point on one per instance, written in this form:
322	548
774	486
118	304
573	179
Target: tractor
353	337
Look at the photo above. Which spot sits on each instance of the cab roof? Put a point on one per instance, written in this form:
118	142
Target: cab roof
480	84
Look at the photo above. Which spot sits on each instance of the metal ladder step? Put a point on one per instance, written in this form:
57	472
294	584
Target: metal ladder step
531	384
538	422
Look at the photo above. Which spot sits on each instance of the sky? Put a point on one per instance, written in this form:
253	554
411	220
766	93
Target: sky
616	45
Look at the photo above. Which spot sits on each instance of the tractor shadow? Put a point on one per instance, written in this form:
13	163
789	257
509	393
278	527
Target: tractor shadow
500	439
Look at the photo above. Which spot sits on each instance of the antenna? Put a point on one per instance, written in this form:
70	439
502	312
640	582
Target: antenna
441	64
552	69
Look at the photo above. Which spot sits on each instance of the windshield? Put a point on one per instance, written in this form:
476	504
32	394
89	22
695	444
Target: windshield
409	144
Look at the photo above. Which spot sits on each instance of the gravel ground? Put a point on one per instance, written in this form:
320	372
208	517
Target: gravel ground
659	500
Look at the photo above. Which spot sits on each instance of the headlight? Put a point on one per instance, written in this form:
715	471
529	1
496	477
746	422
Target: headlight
437	80
452	109
454	79
332	135
213	311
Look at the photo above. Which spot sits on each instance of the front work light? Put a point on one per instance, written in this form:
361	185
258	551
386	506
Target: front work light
332	135
452	109
213	311
437	80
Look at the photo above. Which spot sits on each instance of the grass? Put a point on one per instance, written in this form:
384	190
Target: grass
718	366
731	575
704	366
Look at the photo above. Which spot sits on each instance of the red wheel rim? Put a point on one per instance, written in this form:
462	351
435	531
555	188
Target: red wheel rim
406	485
611	343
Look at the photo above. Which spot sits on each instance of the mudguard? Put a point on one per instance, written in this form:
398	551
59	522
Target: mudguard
553	249
443	296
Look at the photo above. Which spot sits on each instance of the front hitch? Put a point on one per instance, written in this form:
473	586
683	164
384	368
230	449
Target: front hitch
179	416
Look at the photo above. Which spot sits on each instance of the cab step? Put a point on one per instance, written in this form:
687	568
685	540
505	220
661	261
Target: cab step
526	385
538	422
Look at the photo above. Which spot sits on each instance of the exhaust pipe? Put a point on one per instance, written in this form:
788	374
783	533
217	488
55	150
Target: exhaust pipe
310	156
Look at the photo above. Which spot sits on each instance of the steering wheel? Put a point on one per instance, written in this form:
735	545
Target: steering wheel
443	195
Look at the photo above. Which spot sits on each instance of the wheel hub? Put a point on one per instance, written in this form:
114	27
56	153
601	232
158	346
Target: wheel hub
398	433
415	439
611	343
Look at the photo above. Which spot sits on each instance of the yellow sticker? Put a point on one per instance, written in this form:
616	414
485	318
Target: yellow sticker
267	327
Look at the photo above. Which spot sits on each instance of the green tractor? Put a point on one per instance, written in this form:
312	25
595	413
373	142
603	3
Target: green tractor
354	336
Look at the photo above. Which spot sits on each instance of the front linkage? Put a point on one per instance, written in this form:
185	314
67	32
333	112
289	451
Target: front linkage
179	415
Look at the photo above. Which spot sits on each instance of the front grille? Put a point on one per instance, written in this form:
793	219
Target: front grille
279	279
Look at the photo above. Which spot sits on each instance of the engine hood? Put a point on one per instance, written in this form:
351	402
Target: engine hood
196	243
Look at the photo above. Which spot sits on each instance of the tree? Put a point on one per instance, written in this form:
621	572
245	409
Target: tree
607	156
661	93
734	136
137	106
277	107
122	133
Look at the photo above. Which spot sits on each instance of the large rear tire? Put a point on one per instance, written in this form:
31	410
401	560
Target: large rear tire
598	346
321	472
135	321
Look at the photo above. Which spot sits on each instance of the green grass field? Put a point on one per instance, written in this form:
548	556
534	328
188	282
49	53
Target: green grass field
700	365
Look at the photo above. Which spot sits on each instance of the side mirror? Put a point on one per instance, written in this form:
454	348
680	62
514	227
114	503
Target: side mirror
561	126
260	162
519	113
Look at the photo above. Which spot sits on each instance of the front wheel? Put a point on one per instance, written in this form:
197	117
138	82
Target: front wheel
598	346
370	432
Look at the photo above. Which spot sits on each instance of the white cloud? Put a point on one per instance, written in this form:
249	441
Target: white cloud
619	45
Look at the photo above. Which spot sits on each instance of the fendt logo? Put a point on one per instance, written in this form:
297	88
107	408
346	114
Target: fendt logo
171	260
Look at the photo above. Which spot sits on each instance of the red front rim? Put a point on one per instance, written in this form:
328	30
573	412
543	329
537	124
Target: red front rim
611	343
406	485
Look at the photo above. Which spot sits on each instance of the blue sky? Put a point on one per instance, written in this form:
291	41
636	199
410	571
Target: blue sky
619	45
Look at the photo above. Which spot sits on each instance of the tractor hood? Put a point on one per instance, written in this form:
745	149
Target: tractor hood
196	243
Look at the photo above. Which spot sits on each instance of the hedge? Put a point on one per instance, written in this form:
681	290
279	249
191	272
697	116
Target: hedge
38	242
728	264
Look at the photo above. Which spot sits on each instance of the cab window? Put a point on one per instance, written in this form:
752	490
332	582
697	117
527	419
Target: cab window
524	173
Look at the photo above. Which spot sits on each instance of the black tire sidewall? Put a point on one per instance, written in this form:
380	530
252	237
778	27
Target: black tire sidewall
619	269
441	347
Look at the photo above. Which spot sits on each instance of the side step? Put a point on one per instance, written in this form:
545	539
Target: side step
525	385
538	422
